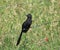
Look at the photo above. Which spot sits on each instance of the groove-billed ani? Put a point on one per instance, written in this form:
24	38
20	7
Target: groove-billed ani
25	26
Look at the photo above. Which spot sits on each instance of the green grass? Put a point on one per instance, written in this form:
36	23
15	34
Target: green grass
46	24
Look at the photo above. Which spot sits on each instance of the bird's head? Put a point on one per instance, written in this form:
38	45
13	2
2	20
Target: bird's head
29	16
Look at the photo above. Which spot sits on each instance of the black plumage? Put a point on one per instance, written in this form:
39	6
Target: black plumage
25	26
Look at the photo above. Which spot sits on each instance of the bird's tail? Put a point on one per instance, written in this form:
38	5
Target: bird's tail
19	39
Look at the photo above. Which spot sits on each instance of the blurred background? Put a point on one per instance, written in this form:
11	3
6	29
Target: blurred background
44	33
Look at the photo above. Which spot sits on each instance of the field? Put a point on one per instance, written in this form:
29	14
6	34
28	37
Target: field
44	33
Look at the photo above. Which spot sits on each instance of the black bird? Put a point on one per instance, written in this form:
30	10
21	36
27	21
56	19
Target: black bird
25	26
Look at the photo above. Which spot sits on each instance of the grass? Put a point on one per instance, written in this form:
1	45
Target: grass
46	24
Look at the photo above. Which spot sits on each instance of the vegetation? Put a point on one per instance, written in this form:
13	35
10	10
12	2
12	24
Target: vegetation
44	33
